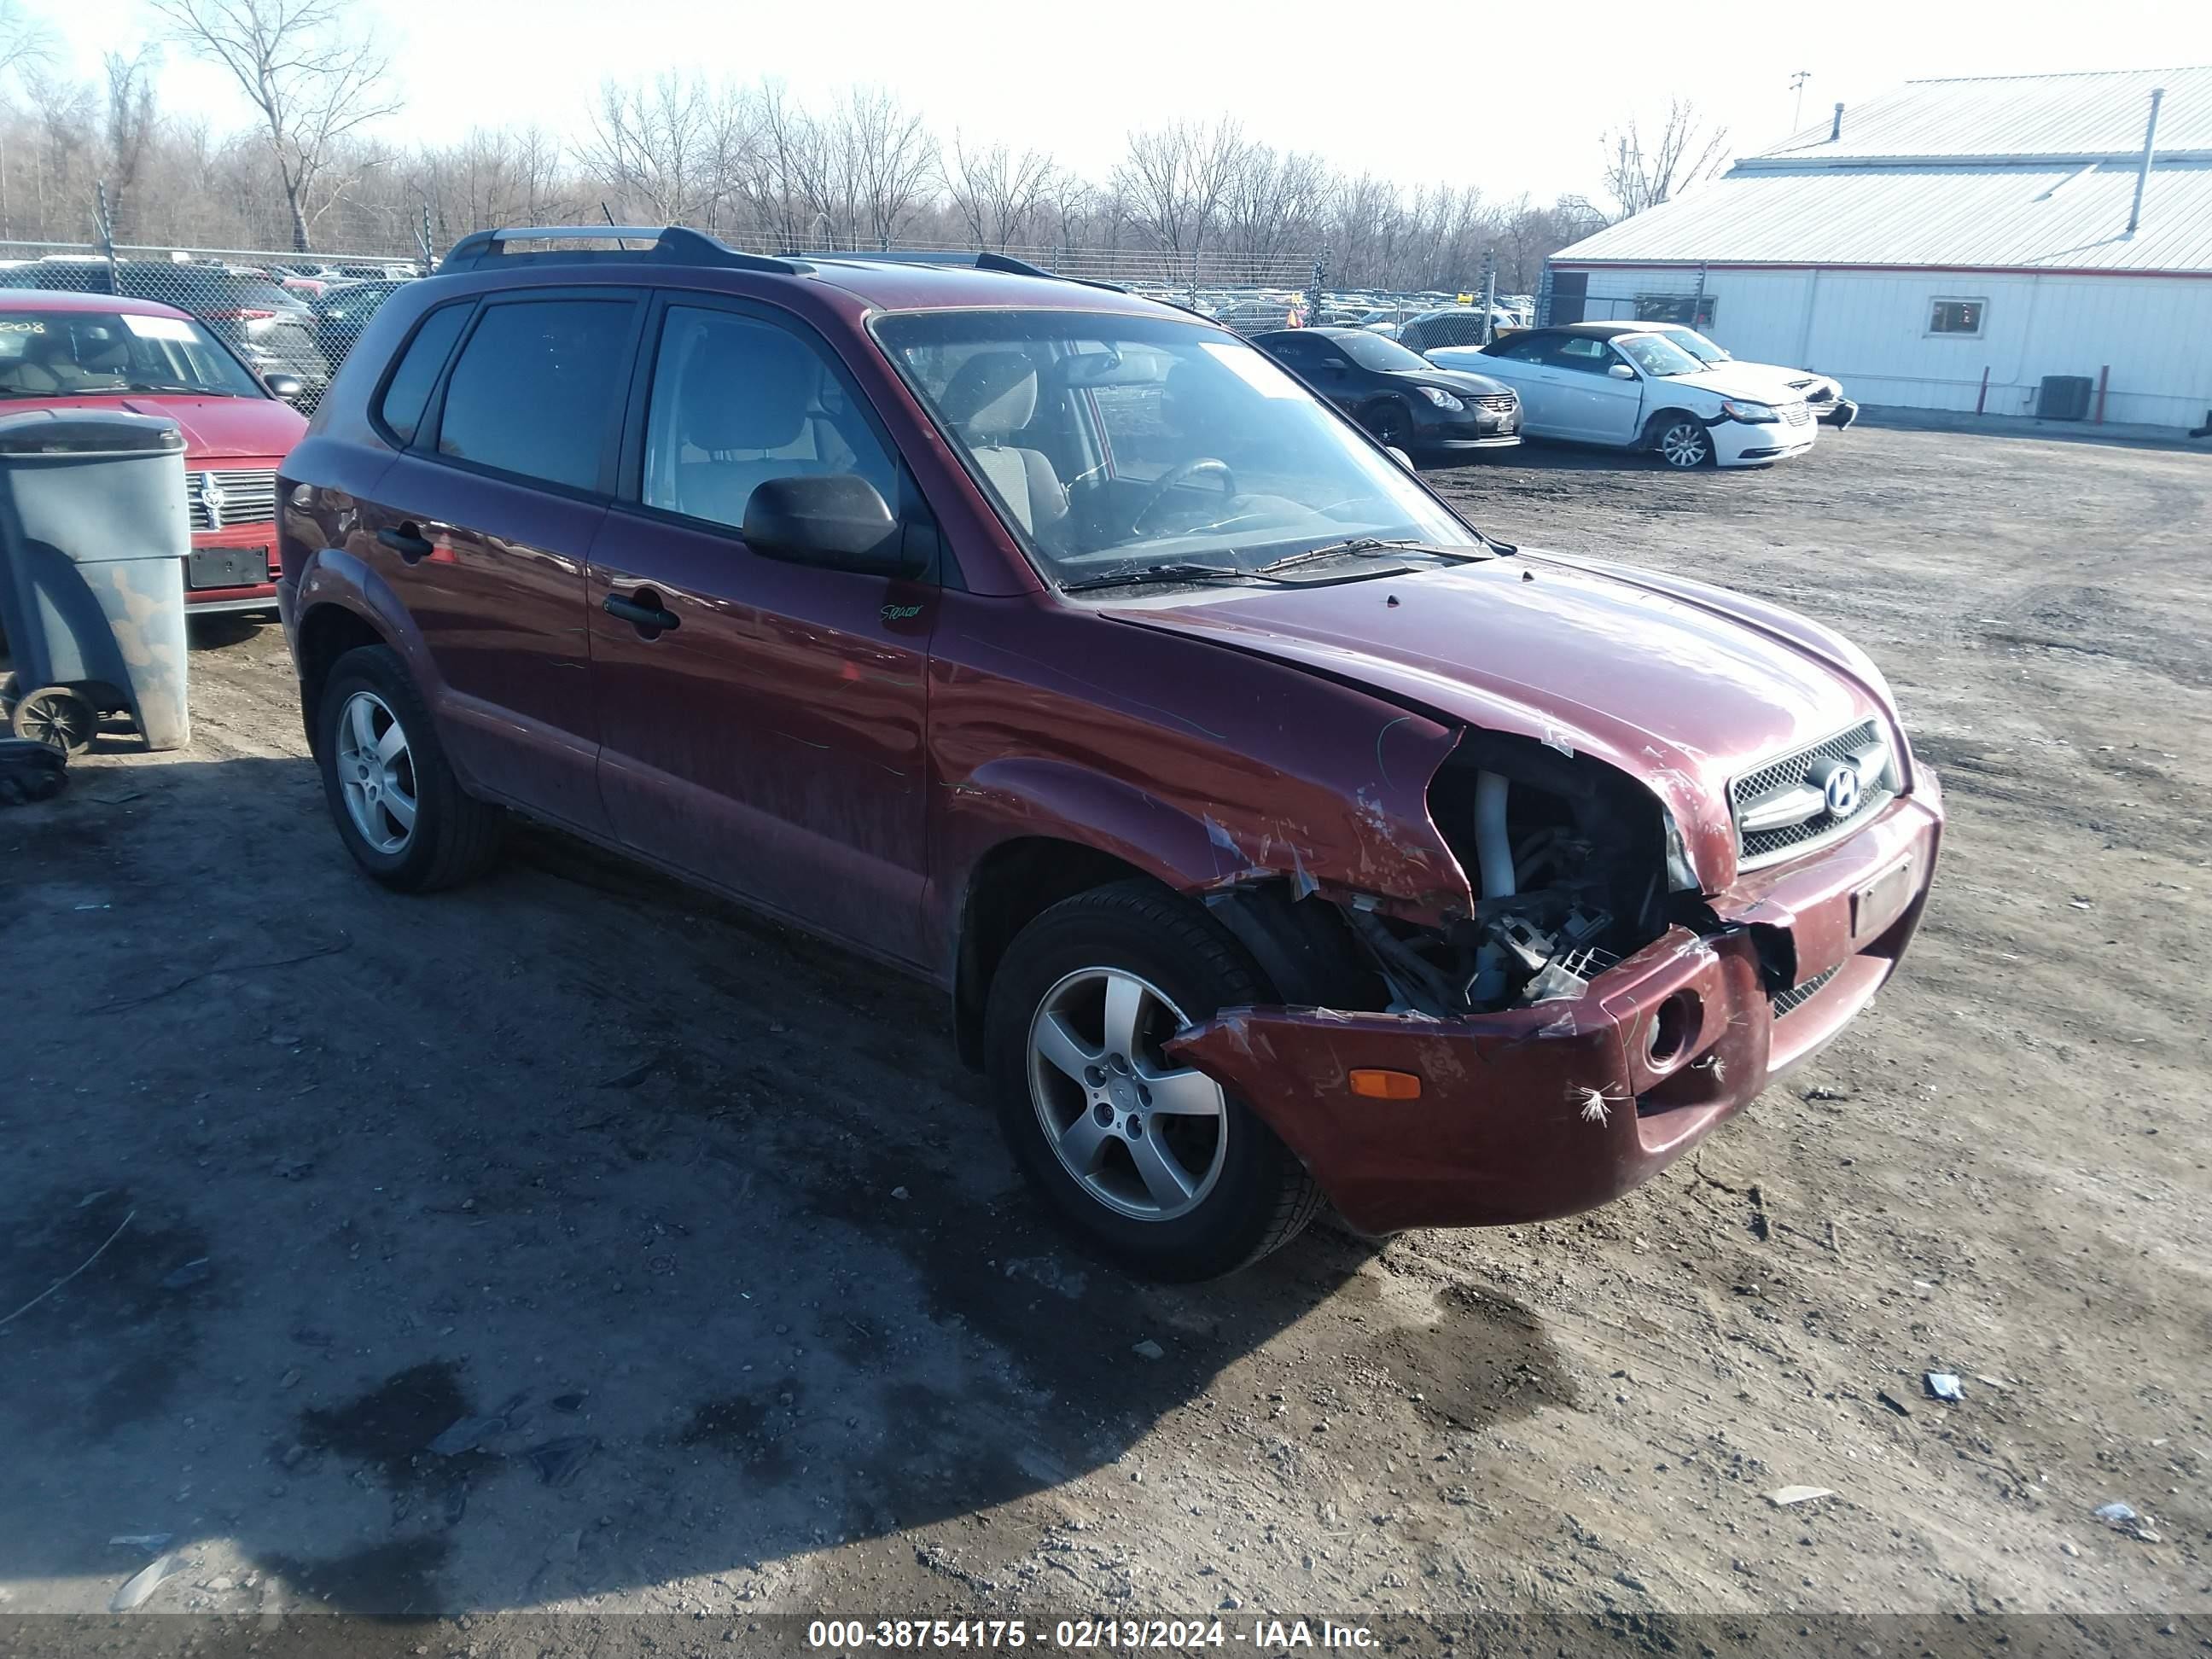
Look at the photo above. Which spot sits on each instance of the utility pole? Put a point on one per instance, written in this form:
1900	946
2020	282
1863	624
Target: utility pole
1798	86
1313	288
423	241
104	222
1489	291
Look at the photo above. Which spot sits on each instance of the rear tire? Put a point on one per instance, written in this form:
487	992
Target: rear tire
1149	1162
399	809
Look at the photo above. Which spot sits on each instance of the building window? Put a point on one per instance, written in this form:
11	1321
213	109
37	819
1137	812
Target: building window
1690	310
1956	317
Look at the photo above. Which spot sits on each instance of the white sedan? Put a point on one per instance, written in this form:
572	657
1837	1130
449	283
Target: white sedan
1624	385
1824	396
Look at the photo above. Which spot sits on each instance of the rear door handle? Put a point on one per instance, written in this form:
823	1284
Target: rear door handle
405	543
643	612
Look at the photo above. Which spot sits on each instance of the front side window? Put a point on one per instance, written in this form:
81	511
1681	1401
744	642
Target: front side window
737	401
1583	352
1384	356
536	389
69	354
1956	317
1114	443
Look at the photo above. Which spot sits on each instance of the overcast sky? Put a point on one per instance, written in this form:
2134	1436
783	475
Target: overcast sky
1508	97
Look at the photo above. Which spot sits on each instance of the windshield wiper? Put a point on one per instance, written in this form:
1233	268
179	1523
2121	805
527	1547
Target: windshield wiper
179	386
1172	573
1369	546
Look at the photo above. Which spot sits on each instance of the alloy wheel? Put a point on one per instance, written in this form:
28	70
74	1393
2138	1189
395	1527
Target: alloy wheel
1685	443
376	771
1144	1139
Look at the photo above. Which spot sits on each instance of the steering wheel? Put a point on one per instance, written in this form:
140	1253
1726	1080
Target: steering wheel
1174	479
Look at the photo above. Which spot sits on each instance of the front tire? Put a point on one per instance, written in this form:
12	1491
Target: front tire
1390	425
1681	441
1149	1162
399	809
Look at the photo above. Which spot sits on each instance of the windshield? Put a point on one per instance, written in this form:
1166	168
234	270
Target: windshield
1113	443
70	354
1373	351
1656	354
1698	345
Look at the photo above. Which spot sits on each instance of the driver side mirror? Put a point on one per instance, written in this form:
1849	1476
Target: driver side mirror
837	519
1621	372
289	387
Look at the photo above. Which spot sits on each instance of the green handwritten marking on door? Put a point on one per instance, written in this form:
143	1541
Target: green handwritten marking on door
900	612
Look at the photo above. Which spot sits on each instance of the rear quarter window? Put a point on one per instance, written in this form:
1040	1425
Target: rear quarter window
407	393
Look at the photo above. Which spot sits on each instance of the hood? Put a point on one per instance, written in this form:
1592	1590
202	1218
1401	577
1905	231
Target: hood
1734	380
1453	379
1676	689
215	429
1785	376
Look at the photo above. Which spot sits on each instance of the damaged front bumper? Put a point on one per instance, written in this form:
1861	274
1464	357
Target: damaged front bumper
1547	1109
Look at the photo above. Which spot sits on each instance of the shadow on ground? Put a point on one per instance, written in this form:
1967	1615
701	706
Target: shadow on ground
572	1234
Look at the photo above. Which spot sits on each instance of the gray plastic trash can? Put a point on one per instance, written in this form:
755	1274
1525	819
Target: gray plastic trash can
94	537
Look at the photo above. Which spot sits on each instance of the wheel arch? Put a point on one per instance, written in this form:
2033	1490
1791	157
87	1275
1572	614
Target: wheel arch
1010	886
324	634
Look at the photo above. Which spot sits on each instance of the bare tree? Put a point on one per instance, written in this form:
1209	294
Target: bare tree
1273	207
130	133
1173	182
25	42
891	161
312	80
1000	195
656	145
1639	175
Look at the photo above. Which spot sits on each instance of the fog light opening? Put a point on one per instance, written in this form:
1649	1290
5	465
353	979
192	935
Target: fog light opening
1675	1027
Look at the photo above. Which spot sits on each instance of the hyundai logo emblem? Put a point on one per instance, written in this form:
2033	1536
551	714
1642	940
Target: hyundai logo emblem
1842	790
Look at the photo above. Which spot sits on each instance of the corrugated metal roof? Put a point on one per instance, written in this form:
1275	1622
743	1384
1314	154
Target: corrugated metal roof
1983	217
2004	118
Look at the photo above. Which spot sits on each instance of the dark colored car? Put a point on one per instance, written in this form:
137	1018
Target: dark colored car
1272	833
1405	400
341	311
80	350
265	323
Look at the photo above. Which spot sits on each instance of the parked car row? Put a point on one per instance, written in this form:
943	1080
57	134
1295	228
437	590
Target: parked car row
292	325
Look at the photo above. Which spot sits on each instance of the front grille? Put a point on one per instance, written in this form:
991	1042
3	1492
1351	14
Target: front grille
1497	402
219	500
1758	846
1789	1001
1796	414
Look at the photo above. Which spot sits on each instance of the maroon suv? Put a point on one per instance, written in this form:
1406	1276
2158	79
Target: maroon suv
1277	834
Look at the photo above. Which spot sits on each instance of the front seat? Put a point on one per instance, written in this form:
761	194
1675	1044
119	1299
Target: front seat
990	397
744	396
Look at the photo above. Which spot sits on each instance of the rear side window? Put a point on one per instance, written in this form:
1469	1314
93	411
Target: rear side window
536	389
408	391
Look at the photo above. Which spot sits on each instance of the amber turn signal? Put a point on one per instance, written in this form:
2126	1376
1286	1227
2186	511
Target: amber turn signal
1386	1086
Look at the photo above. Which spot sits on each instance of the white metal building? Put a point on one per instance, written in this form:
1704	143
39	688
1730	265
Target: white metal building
1950	245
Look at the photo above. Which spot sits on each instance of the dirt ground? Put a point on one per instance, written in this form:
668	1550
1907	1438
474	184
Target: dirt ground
708	1229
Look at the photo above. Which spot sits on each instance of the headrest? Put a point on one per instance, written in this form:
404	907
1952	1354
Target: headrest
746	388
992	394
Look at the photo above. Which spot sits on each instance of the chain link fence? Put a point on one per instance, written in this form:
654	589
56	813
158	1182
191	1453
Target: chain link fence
292	318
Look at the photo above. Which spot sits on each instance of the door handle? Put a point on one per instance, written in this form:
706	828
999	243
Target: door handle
406	543
643	612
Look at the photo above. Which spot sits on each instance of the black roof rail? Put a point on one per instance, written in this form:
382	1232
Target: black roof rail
674	245
981	260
